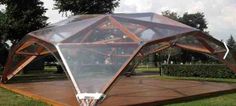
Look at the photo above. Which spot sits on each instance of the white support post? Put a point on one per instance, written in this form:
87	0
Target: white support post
227	52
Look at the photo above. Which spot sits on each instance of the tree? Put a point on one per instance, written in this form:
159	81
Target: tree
23	16
231	42
3	45
171	15
196	20
86	6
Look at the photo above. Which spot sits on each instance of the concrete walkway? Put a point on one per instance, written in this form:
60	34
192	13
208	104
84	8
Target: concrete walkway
128	91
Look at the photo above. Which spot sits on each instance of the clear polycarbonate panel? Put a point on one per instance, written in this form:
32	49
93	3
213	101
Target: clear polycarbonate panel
60	33
216	47
73	19
94	65
138	16
190	41
164	20
154	18
150	49
104	33
148	31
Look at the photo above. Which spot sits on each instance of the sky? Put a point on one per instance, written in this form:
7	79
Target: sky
220	14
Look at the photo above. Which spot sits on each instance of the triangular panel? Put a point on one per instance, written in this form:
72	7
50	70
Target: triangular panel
94	65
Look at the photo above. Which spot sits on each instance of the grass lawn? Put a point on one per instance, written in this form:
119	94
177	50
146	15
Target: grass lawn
224	100
223	80
147	69
8	98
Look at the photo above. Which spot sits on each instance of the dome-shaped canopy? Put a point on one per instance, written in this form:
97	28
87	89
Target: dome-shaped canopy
95	49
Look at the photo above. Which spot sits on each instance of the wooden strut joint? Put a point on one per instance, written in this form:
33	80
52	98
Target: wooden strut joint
164	47
25	45
124	30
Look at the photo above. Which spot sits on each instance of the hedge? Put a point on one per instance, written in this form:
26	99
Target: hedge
205	71
1	70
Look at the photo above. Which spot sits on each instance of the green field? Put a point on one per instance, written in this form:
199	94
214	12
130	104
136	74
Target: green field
8	98
225	100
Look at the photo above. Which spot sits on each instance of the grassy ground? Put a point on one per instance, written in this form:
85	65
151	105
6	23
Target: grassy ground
193	79
147	70
225	100
8	98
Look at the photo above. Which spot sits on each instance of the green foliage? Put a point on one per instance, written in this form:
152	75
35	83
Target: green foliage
231	42
171	15
196	20
23	16
2	24
86	6
8	98
205	71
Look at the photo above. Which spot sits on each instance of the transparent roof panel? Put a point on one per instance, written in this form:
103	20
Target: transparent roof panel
152	17
94	65
73	19
103	32
190	40
60	33
151	31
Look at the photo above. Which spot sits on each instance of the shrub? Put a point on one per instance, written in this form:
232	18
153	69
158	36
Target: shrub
210	71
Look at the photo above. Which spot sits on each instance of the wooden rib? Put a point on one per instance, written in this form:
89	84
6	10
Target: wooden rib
163	47
193	48
47	52
19	68
22	64
25	53
25	45
124	30
200	39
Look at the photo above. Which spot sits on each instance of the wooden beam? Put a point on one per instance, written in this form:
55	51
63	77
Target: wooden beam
9	74
161	48
25	45
115	44
21	66
124	30
193	48
204	43
26	53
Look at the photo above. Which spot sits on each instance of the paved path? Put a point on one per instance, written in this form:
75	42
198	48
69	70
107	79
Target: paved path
128	91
